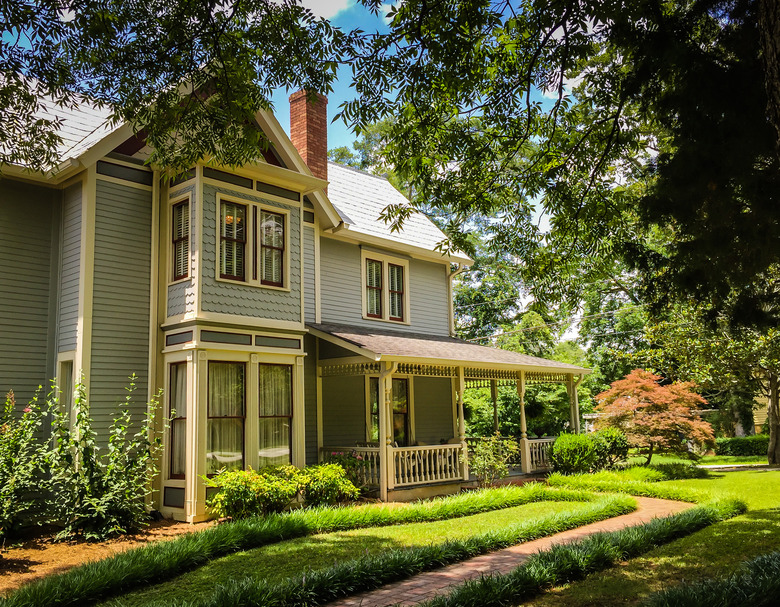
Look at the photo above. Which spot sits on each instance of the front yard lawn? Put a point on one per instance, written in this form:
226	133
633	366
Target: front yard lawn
711	552
276	562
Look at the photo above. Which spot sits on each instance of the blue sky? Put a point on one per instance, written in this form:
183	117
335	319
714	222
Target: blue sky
346	15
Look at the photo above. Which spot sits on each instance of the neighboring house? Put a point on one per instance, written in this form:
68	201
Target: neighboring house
281	318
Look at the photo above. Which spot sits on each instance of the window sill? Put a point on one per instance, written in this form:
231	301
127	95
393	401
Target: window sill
253	284
180	280
387	320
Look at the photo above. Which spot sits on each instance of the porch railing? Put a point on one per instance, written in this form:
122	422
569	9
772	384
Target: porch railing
539	450
425	464
367	458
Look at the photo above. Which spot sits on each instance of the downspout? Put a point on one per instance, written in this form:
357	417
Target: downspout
385	470
460	269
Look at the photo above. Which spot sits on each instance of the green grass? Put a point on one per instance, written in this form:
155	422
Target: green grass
164	560
276	562
713	552
707	460
371	571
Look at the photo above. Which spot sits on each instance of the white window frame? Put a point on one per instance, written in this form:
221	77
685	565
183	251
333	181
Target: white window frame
186	198
410	403
385	260
253	246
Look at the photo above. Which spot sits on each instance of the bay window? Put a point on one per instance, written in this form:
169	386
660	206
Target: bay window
253	246
226	413
275	400
177	412
181	240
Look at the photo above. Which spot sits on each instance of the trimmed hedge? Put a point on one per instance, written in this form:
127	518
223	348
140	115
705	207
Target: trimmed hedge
368	573
757	584
757	444
613	483
163	560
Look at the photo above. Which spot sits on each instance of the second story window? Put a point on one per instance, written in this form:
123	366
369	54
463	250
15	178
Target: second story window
373	288
272	248
232	240
385	287
181	240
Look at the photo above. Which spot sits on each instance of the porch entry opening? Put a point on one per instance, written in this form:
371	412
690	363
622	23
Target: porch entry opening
401	424
275	437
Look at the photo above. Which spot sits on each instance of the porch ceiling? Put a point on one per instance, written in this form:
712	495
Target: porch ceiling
417	348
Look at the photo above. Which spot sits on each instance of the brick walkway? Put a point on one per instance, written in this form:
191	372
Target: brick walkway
425	586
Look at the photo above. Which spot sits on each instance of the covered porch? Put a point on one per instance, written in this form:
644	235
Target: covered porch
394	401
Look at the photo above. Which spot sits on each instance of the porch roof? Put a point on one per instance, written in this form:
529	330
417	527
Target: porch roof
396	346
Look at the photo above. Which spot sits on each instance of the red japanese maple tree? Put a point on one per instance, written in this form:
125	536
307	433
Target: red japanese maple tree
654	417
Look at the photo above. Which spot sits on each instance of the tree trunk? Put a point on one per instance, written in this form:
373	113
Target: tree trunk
773	418
769	35
650	454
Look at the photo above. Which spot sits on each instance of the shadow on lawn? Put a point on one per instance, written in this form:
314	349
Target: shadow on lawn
711	552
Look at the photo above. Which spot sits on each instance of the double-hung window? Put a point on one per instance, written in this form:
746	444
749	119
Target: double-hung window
177	411
385	288
253	244
275	400
226	414
181	240
232	240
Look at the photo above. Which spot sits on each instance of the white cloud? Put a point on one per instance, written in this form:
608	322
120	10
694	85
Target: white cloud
327	8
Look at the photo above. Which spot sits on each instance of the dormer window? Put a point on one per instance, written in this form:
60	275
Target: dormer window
385	288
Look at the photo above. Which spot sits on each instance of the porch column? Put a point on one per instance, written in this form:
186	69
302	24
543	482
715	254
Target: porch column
574	404
525	445
462	425
494	397
386	473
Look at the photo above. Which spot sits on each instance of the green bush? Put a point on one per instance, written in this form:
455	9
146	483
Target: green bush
327	484
743	445
675	471
611	446
98	495
245	493
573	454
354	465
21	456
490	457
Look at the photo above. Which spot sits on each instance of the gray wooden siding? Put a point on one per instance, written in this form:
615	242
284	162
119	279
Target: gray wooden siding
342	299
256	302
120	321
68	313
309	301
27	215
310	398
343	411
432	409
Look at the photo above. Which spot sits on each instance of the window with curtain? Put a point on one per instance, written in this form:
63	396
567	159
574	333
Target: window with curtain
181	240
226	412
396	288
177	412
373	288
400	395
232	240
272	248
275	399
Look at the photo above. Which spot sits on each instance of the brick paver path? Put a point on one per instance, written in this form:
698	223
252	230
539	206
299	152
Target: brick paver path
425	586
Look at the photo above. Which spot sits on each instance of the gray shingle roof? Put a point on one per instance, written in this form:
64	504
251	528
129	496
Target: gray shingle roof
419	346
81	127
359	197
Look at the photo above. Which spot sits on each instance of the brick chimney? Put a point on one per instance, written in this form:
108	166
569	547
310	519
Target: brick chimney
309	131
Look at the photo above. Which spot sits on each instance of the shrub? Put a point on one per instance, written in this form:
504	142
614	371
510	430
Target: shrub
743	445
675	471
96	495
490	457
327	484
573	454
354	465
21	455
245	493
611	446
